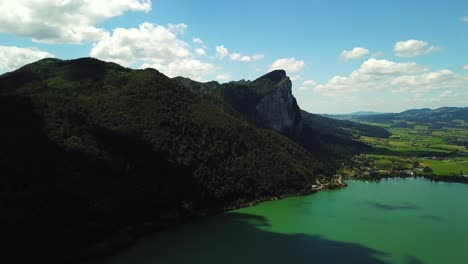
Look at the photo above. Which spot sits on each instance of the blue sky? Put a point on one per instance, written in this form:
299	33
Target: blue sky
343	56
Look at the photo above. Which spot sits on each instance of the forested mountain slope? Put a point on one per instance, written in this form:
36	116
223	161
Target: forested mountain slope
91	151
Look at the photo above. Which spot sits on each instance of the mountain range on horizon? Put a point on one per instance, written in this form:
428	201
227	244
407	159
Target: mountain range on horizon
454	117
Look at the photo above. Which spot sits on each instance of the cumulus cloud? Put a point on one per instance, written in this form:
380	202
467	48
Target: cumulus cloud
191	68
353	54
63	21
290	65
296	77
14	57
465	67
200	52
413	48
222	52
464	19
155	46
427	82
307	85
243	58
198	41
379	75
177	29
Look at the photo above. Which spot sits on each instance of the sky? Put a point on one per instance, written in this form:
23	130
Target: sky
342	56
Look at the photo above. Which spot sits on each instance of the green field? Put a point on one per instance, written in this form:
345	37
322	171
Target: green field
441	152
439	166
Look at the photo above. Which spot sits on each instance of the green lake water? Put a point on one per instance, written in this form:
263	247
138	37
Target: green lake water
394	221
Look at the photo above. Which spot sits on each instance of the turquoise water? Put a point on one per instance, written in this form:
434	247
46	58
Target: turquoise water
395	221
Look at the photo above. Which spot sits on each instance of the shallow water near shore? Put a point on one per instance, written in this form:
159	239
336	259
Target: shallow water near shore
393	221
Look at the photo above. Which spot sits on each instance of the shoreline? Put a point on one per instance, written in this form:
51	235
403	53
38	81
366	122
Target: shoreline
324	187
132	234
432	178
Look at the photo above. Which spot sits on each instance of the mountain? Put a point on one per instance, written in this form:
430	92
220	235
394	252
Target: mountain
455	117
416	111
93	153
268	103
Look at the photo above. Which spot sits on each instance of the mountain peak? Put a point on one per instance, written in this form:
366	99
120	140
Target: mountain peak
275	76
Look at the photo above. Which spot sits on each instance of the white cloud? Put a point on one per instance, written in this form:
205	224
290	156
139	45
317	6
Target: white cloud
223	77
413	48
290	65
239	57
235	56
221	52
200	52
191	68
307	85
381	75
310	83
295	77
464	19
427	82
374	67
148	43
63	21
177	29
465	67
154	46
14	57
355	53
198	41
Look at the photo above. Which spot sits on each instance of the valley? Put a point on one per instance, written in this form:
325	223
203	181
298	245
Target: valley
418	145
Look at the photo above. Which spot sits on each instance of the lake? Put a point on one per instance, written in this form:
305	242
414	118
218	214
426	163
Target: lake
395	221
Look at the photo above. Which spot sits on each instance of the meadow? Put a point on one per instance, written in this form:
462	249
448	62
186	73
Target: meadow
421	149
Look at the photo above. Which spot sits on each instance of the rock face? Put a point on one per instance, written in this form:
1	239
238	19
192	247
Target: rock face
278	110
268	101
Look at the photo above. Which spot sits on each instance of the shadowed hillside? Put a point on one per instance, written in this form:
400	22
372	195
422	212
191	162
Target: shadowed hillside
94	152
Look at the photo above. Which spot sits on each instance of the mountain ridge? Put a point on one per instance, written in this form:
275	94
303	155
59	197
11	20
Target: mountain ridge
91	148
447	116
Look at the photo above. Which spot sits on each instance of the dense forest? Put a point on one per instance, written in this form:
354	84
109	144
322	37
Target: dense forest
92	152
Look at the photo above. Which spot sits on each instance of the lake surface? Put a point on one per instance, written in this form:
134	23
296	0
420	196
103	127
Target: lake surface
394	221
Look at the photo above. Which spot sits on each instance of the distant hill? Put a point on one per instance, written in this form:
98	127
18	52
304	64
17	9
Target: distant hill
343	128
92	151
442	117
366	113
352	116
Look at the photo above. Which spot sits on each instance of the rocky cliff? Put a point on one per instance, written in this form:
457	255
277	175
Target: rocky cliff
278	110
268	101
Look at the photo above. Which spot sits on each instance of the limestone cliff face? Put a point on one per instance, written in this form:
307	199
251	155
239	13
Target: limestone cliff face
268	101
278	110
